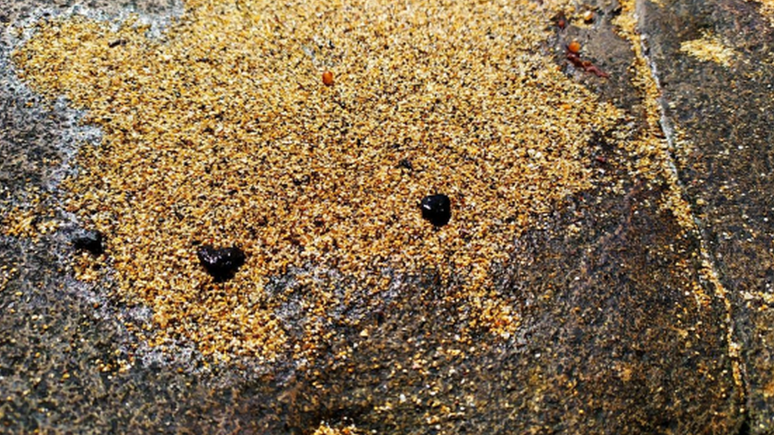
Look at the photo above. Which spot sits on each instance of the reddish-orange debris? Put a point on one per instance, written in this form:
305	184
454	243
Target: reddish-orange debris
586	65
327	78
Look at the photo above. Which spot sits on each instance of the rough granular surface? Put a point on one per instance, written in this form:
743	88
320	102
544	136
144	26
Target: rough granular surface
222	133
709	48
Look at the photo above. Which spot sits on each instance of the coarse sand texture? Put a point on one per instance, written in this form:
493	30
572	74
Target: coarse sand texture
229	131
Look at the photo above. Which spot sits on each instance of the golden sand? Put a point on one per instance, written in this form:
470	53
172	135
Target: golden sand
222	132
32	219
324	429
767	9
709	48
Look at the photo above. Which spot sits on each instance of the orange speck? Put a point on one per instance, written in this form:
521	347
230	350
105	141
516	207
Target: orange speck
574	47
327	78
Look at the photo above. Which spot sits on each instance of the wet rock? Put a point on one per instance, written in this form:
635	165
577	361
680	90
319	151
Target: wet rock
436	209
611	336
88	240
731	136
221	263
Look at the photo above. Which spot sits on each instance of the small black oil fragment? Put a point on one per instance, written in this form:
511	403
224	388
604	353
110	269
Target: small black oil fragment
406	164
436	209
221	263
88	240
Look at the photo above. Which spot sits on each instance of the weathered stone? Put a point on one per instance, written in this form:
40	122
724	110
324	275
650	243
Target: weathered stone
718	114
620	330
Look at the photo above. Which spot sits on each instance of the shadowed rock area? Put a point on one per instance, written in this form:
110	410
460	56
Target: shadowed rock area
726	114
623	328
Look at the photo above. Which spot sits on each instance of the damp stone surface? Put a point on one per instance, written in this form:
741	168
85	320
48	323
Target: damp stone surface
606	267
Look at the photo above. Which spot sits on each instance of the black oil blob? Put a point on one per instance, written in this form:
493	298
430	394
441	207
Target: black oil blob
88	240
436	209
221	263
405	164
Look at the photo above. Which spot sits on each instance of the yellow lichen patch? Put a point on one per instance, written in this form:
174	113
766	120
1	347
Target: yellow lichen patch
222	131
709	48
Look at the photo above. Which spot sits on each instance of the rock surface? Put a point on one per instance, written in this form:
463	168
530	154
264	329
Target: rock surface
720	119
630	323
